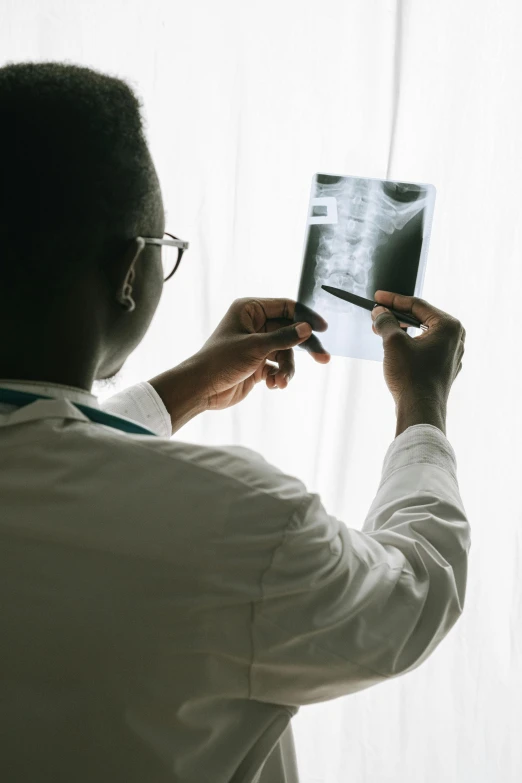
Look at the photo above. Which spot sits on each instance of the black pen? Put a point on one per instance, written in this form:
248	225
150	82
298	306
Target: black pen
369	304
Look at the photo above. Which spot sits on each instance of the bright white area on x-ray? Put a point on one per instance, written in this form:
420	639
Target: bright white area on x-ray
356	216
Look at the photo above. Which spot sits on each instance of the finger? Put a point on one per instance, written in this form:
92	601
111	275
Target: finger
271	370
268	369
288	337
304	313
285	373
286	367
288	309
316	350
276	323
419	308
404	327
262	372
385	324
313	345
281	339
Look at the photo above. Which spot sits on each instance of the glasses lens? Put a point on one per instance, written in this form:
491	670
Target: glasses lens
169	257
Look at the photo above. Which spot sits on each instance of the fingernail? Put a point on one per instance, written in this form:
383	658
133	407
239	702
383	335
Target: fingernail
378	310
287	378
303	330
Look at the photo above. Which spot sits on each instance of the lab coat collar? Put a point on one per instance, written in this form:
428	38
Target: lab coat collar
61	406
42	409
56	390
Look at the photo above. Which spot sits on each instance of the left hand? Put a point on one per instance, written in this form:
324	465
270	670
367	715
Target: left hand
253	333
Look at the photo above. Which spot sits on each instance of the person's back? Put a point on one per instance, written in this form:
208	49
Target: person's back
127	592
76	579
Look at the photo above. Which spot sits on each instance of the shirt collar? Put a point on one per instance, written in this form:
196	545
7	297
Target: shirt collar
55	390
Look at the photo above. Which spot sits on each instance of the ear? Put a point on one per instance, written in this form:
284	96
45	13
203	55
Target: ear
131	257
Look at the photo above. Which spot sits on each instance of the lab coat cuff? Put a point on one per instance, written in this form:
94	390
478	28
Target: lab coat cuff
421	443
142	404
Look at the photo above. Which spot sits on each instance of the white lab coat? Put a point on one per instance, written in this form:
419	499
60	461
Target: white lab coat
168	607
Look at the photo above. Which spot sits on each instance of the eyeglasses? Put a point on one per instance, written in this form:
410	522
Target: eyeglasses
171	252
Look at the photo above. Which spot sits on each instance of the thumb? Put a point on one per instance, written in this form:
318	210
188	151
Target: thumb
286	337
384	323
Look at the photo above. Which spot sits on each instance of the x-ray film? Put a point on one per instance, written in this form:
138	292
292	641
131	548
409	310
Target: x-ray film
363	235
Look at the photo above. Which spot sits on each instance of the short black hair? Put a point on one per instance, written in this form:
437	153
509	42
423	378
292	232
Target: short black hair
75	169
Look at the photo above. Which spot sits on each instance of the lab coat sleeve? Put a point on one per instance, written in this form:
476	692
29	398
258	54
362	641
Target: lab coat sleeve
344	609
142	404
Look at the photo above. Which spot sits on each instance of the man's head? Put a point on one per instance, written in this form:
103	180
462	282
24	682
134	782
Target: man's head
77	186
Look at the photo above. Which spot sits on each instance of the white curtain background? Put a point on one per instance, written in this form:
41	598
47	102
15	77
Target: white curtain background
244	102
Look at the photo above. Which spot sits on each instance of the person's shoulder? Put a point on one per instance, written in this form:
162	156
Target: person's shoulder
236	463
236	469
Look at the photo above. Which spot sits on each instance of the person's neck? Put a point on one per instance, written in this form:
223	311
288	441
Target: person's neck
50	378
58	344
44	368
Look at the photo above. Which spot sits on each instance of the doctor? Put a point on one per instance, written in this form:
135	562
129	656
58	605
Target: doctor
168	607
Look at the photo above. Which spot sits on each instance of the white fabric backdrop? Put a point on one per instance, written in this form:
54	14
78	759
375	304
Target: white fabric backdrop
244	102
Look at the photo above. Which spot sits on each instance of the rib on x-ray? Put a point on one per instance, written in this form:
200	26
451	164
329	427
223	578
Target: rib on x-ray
363	235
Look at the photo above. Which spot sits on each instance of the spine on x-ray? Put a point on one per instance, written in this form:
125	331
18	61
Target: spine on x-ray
366	216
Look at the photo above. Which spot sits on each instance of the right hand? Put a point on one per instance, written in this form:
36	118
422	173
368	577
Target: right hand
422	367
